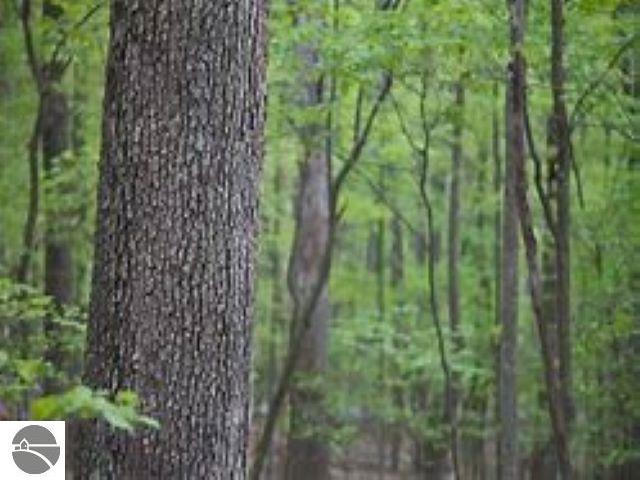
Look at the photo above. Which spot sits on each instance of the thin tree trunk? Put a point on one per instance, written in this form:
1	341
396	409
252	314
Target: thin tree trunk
55	141
480	401
172	298
307	452
563	214
438	462
497	256
453	267
396	280
381	310
509	460
516	102
29	231
308	455
58	265
276	320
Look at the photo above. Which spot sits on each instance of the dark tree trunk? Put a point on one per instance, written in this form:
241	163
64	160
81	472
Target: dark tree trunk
508	464
517	105
562	151
58	259
58	265
172	298
55	141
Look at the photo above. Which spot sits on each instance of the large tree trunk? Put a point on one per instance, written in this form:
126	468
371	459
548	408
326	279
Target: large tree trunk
172	299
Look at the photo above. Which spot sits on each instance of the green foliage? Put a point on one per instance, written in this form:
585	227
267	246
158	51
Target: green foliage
23	368
121	412
383	354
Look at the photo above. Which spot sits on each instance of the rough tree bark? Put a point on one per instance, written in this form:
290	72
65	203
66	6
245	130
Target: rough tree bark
172	298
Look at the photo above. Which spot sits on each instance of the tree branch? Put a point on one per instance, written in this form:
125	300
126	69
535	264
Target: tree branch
32	59
76	26
356	150
542	195
29	233
382	197
593	86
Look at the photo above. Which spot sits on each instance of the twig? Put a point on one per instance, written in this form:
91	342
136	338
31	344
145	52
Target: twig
598	80
362	140
65	35
382	197
542	195
403	126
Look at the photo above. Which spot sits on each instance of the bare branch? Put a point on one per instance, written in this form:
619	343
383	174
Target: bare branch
537	163
403	125
356	150
76	26
382	197
595	84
